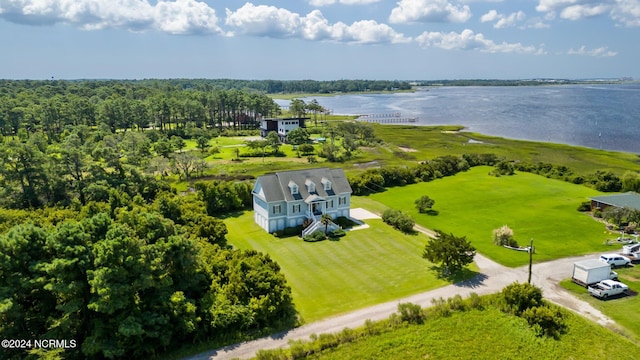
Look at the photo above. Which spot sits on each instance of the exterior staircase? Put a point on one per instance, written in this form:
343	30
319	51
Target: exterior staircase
317	225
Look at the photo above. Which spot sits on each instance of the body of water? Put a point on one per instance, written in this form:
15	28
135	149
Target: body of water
596	116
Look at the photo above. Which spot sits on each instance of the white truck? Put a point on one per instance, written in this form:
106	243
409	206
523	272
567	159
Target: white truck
591	271
607	288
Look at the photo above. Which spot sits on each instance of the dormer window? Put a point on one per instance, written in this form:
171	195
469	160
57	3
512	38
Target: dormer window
293	187
326	184
311	186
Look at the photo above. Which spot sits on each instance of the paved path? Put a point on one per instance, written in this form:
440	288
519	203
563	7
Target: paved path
492	278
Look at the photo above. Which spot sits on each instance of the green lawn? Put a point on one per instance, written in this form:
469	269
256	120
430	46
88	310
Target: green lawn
365	267
488	334
473	204
623	310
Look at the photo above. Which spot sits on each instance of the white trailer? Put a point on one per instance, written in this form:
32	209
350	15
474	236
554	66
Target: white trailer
591	271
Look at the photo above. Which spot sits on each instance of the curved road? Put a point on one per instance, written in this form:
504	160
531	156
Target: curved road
492	278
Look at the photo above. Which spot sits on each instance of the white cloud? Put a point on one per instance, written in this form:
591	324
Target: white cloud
263	20
345	2
492	15
577	12
174	17
625	12
503	21
429	11
598	52
467	40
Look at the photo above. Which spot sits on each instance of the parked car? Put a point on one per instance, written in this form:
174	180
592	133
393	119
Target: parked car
607	288
630	249
615	260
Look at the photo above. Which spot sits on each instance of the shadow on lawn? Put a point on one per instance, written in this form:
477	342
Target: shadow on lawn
462	278
233	214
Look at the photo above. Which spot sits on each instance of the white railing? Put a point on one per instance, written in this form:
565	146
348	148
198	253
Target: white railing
318	225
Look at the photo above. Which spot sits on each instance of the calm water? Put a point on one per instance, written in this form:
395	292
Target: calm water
600	116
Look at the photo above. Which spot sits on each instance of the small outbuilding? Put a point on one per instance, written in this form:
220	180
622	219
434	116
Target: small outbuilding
630	200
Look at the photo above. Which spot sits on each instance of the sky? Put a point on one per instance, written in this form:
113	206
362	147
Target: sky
319	39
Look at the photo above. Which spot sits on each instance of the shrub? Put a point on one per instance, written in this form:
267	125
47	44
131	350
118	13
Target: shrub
398	220
440	307
545	321
289	231
336	233
520	297
317	235
424	203
475	301
411	313
584	206
503	168
504	236
344	222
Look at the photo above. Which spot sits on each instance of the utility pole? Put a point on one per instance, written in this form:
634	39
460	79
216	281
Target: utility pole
530	260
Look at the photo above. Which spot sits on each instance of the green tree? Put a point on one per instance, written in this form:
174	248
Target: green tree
177	143
298	107
185	164
315	108
274	141
22	167
25	304
298	136
70	246
631	181
326	220
424	204
163	147
450	251
203	143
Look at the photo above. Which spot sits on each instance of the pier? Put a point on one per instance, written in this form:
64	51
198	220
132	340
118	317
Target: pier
389	118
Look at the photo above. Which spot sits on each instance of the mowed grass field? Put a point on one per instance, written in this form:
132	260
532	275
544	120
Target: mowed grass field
473	204
363	268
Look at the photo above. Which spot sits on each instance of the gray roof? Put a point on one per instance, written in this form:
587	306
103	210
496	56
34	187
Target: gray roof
275	187
591	264
626	200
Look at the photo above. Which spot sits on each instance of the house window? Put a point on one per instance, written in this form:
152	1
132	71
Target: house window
277	209
311	186
330	204
326	184
296	208
293	187
342	200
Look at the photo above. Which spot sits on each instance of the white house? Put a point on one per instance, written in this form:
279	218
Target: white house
288	198
281	126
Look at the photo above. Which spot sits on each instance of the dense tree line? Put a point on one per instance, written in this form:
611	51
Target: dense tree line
130	280
286	86
50	106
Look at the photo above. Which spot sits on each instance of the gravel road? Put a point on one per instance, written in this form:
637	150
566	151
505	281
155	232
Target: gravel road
492	278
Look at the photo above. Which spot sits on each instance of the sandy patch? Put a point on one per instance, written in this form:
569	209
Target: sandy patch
406	149
362	214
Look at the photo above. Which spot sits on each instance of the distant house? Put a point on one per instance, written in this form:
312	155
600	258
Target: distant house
291	198
281	126
630	200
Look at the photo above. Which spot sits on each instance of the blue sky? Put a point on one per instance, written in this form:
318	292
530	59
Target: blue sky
319	39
